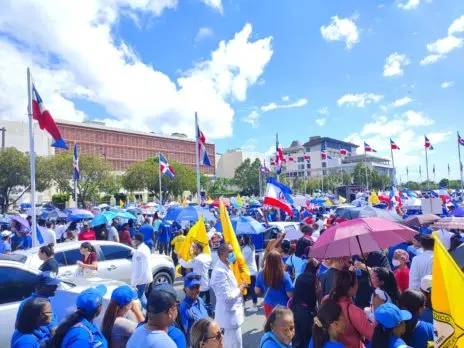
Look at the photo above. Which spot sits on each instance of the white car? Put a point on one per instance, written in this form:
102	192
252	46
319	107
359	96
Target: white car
17	282
114	261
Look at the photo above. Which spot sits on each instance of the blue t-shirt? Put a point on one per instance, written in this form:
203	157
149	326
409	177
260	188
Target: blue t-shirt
44	329
275	297
177	336
5	247
20	340
422	334
84	335
427	316
393	342
147	231
322	269
269	340
152	339
190	312
297	263
164	232
328	344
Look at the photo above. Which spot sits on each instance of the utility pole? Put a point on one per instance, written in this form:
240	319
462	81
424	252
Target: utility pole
3	129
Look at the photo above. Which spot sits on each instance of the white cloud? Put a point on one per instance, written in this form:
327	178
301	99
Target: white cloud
432	58
324	110
394	64
359	100
457	26
204	33
252	118
285	98
415	119
272	106
447	84
341	29
215	4
401	102
99	67
409	4
249	145
321	121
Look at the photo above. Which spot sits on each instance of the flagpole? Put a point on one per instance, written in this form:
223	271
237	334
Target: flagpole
277	164
460	163
259	182
32	158
407	177
365	155
75	182
427	168
197	156
420	173
159	178
449	175
393	179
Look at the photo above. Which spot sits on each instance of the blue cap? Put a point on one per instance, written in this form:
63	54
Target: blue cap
48	278
389	316
123	295
192	279
90	299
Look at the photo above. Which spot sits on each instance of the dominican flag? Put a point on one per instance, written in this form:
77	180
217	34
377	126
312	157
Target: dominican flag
368	148
278	195
77	170
393	145
460	140
279	159
343	152
291	159
263	168
165	168
202	154
427	143
325	156
307	157
272	163
395	199
45	119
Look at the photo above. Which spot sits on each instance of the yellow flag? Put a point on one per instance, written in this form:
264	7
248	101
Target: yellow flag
374	199
448	306
121	203
240	267
197	233
239	199
341	199
328	202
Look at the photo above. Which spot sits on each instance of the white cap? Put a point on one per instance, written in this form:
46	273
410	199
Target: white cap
6	234
426	283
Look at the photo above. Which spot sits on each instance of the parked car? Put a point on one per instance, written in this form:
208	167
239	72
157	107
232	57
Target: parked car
17	282
114	261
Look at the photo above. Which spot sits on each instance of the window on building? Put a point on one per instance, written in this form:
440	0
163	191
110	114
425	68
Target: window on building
324	164
300	159
301	166
308	165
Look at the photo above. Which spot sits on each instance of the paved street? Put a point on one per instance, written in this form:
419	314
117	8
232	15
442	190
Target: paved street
252	329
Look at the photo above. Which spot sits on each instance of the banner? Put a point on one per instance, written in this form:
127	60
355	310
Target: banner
197	233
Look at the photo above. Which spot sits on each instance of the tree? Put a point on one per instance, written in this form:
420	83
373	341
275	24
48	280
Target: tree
247	177
444	183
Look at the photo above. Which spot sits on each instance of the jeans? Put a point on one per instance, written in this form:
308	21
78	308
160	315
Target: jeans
251	290
141	295
163	248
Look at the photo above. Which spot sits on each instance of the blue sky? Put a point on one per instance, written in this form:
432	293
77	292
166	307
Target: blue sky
360	71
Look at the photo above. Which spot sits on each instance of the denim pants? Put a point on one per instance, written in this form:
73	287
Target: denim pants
141	294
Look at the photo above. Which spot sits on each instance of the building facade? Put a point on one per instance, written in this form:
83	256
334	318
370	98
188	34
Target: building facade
122	148
230	160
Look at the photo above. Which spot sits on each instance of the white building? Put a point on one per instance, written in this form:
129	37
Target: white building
229	161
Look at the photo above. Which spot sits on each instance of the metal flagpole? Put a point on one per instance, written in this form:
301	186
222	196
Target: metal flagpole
259	180
75	181
427	168
365	155
393	179
434	175
197	156
449	176
159	178
278	160
420	174
460	163
32	157
407	177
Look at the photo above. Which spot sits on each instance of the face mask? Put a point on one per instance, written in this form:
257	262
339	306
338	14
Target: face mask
396	263
231	258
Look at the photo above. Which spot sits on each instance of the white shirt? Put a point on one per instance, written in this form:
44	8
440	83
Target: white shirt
113	234
250	258
200	265
229	304
445	237
141	266
421	266
48	235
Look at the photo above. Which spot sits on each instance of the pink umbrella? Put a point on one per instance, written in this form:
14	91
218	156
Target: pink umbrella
354	237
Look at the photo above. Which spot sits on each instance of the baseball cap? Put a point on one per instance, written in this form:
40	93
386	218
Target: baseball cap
47	278
389	316
160	300
166	287
192	279
123	295
426	283
90	299
5	234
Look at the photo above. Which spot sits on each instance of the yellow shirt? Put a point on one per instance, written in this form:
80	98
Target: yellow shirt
177	242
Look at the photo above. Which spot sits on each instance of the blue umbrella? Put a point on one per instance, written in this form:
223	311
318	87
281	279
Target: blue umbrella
125	215
243	225
318	200
103	218
191	213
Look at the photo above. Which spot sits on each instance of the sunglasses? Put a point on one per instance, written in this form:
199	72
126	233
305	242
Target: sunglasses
194	277
219	336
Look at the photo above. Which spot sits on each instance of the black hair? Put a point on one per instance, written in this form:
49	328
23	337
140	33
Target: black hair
88	246
305	292
301	247
67	324
427	242
411	300
139	236
247	240
48	224
277	313
199	246
223	249
28	316
344	280
47	250
381	337
329	312
390	286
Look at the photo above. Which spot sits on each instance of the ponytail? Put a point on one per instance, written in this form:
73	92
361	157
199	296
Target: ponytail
48	249
329	312
381	337
88	246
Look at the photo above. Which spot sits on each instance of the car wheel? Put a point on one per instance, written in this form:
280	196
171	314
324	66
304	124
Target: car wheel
162	277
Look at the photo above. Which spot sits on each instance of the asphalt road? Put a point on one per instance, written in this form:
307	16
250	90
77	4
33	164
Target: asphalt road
252	328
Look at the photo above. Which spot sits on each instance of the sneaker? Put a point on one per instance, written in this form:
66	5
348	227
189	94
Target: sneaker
252	309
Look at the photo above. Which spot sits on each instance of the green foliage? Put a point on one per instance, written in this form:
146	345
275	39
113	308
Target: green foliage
222	187
60	198
246	177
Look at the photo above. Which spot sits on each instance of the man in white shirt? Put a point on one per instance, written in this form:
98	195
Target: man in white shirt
422	264
113	234
48	235
200	264
141	267
229	304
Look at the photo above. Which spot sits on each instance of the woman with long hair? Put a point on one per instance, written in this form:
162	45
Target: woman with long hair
46	254
303	306
418	332
89	264
329	325
206	333
385	289
358	328
274	283
35	313
390	326
115	327
78	329
278	329
248	251
296	263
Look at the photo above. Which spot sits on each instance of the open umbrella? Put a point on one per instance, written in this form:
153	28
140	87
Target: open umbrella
191	213
458	212
449	223
420	220
243	225
458	255
365	212
358	236
79	214
21	220
103	218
